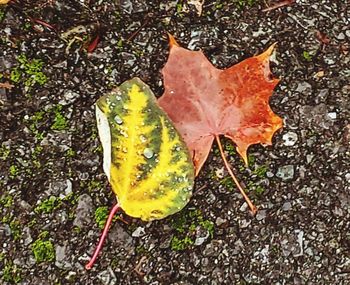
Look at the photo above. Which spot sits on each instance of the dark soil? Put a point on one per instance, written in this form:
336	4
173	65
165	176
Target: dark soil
51	177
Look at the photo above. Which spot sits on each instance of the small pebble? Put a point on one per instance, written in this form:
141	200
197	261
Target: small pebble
285	172
290	138
332	115
139	232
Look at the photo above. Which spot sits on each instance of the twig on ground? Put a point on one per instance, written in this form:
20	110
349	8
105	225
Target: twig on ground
138	266
134	34
43	23
279	5
201	188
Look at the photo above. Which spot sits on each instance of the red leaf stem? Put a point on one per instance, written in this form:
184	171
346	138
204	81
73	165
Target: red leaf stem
227	165
115	209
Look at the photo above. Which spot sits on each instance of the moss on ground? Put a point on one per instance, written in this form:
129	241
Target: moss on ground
185	225
43	249
29	72
11	273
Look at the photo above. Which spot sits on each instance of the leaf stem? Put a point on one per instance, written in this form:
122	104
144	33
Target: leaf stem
248	201
115	209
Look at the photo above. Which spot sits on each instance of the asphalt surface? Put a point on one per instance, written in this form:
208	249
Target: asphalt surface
51	176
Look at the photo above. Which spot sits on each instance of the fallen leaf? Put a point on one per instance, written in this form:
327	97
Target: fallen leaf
6	85
319	74
92	46
346	135
3	2
344	48
205	102
146	161
73	31
323	38
198	4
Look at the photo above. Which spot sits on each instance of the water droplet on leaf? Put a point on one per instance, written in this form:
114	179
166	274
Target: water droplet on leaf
124	133
118	120
148	153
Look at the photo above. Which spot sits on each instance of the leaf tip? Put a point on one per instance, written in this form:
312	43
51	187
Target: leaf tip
267	53
270	49
242	150
172	41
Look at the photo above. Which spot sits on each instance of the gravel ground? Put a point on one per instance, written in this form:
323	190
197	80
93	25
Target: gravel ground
54	195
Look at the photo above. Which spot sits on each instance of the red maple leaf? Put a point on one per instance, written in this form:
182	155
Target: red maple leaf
205	102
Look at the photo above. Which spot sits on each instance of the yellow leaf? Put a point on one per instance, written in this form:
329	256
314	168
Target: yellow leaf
145	159
3	2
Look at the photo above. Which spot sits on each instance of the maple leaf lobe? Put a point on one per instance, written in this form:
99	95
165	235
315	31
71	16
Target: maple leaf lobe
204	101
